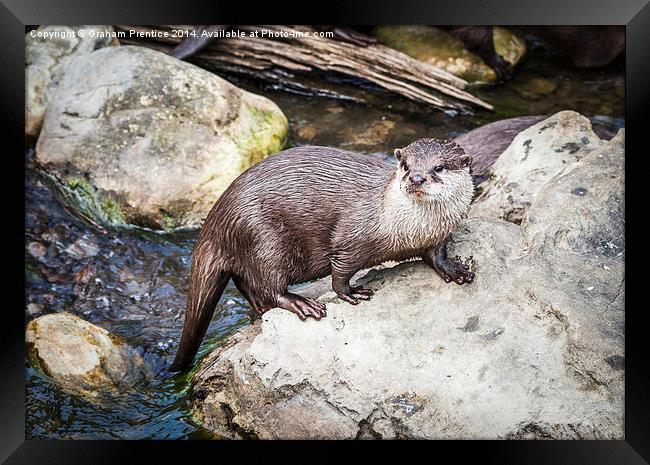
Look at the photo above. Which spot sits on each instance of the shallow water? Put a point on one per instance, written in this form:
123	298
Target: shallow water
134	284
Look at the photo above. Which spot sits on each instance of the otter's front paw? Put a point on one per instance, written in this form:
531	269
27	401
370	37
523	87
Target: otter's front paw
356	294
501	67
454	270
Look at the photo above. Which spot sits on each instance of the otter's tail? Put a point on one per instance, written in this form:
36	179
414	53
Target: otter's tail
207	282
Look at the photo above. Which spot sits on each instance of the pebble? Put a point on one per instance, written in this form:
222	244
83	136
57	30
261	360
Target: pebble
82	248
36	250
34	308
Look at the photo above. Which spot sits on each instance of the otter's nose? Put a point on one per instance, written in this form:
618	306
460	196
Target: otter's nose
417	179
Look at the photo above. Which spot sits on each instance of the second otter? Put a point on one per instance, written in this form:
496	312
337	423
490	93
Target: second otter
312	211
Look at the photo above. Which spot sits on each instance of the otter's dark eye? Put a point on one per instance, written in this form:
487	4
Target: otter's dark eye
438	169
405	167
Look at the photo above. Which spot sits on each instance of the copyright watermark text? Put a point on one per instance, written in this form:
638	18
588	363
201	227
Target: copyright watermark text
99	33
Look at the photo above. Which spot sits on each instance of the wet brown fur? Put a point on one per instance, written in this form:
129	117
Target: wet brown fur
308	212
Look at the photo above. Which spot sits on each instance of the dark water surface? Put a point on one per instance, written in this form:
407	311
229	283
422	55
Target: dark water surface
134	284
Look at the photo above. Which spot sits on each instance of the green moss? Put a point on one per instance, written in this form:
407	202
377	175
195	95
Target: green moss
509	45
263	132
113	212
90	339
80	183
169	222
81	196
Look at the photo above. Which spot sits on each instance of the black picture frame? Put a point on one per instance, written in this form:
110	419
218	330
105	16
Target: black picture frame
16	14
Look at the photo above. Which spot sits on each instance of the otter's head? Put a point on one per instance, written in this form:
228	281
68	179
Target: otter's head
433	169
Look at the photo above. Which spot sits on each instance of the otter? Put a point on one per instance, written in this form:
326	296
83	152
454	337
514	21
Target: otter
309	212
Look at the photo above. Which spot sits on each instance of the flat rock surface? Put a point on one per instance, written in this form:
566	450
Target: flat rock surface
533	348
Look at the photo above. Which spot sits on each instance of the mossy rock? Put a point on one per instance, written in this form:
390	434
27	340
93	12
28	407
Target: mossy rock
151	141
438	48
81	357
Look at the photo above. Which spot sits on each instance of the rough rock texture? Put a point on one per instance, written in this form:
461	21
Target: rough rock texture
532	349
486	143
82	357
535	155
438	48
46	60
151	140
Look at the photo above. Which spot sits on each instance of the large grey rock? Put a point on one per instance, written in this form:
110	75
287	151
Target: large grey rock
82	357
486	143
46	58
150	140
533	348
535	155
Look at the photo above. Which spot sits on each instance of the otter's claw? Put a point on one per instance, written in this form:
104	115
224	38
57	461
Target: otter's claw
501	67
362	290
356	294
452	270
302	306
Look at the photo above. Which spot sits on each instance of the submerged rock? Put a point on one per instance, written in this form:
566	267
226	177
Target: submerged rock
531	349
82	357
46	59
37	250
535	155
82	248
438	48
536	88
150	140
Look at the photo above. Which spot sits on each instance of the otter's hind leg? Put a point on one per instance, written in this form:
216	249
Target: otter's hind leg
449	269
255	301
341	276
301	306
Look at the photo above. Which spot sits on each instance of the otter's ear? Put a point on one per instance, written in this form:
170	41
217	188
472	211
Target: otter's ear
398	154
466	160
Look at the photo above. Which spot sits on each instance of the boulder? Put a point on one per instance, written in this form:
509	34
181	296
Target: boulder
46	58
534	156
150	140
486	143
81	357
533	348
438	48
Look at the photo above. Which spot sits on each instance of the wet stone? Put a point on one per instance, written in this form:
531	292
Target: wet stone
82	357
36	250
82	248
166	290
